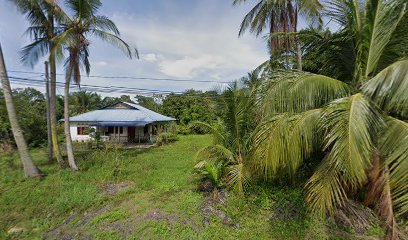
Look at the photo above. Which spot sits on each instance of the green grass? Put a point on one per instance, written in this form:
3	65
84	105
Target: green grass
161	203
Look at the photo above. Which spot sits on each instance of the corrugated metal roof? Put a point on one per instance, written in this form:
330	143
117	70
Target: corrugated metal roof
136	113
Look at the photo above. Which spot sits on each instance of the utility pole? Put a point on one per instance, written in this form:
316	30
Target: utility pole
47	92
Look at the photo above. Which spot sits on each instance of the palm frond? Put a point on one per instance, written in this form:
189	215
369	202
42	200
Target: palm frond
297	92
34	10
397	47
215	152
36	32
311	10
327	53
212	170
104	23
66	39
325	190
394	149
31	53
115	41
248	21
84	9
346	13
284	142
215	129
383	18
350	126
389	88
237	178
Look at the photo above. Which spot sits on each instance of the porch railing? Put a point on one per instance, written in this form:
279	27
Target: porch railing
127	139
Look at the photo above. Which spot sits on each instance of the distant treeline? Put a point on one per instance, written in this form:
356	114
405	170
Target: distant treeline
30	103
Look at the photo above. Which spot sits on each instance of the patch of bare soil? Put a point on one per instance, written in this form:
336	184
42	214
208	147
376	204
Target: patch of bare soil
352	221
158	215
112	188
209	208
356	217
69	230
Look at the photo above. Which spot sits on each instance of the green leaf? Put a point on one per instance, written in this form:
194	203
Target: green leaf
299	91
237	178
394	150
283	143
383	18
351	125
389	89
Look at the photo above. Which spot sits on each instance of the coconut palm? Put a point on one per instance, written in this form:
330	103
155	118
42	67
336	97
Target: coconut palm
30	170
280	19
359	125
327	53
84	101
42	15
84	24
226	159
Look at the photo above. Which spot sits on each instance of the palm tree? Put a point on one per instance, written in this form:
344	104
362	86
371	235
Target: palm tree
85	101
75	39
360	125
280	19
327	53
41	15
30	170
226	159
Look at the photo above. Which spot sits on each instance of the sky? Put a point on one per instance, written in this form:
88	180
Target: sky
177	39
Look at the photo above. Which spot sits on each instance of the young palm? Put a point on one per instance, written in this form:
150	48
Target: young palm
227	158
84	24
280	19
360	125
42	15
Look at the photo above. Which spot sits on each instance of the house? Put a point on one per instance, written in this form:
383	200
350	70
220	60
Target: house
121	122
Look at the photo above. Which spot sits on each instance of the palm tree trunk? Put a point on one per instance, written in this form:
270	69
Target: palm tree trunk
294	20
53	93
30	170
49	136
385	208
379	197
53	111
70	150
298	46
299	55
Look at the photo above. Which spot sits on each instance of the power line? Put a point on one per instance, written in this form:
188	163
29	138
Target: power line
130	77
111	89
40	82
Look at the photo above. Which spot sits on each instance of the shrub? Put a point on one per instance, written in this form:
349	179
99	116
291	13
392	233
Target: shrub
211	172
197	127
165	138
183	129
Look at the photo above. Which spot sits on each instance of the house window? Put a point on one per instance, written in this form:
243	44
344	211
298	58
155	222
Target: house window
82	130
112	130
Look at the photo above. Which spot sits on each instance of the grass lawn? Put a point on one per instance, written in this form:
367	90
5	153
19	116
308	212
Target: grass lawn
149	194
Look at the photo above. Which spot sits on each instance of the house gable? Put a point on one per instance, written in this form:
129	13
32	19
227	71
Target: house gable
120	105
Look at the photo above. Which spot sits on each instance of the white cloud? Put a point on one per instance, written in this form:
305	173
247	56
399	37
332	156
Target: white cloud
207	50
189	67
102	63
197	41
150	57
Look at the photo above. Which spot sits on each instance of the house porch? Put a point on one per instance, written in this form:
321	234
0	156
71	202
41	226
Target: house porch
120	134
